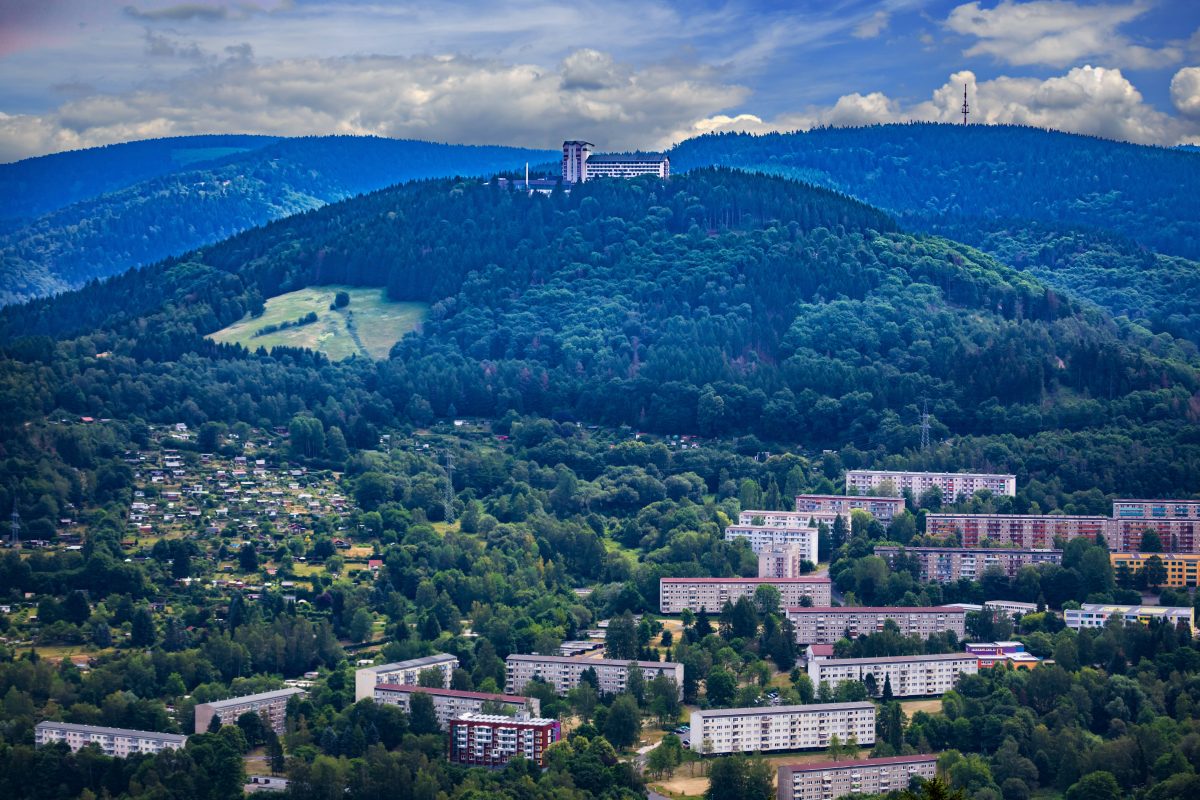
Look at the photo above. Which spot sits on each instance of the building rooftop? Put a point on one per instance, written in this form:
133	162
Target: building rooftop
613	158
424	661
809	709
1025	516
252	698
591	662
803	579
1149	611
874	609
922	472
833	662
971	550
406	687
873	498
502	719
73	726
859	764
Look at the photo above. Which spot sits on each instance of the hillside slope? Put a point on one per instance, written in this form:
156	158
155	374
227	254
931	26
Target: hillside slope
718	303
183	208
1088	199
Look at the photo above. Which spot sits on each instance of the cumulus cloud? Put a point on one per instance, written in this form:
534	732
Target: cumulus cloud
1185	91
1057	33
447	98
1089	100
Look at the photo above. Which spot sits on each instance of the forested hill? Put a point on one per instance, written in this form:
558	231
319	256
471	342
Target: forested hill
108	209
1099	210
717	303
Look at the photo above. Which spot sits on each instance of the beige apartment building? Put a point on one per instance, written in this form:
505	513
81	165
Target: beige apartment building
118	742
911	676
711	594
1021	531
449	703
824	625
563	672
949	564
952	484
881	508
767	729
781	561
404	673
761	537
273	704
829	780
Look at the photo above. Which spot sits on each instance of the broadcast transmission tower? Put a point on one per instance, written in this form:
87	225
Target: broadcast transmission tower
14	534
448	498
925	426
966	109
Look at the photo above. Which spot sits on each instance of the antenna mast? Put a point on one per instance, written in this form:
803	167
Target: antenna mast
15	526
966	109
925	426
448	496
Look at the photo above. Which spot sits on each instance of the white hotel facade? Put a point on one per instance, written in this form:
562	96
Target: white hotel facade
761	730
404	673
952	484
911	676
711	594
119	742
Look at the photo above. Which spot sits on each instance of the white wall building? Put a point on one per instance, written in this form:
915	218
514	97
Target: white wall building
562	672
1095	615
119	742
952	484
407	673
823	625
911	676
759	730
828	780
711	594
881	508
761	537
272	704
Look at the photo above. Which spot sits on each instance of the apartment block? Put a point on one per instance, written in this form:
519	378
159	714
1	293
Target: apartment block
949	564
404	673
492	740
118	742
1177	523
881	508
952	484
1010	608
761	730
1021	531
1010	654
825	625
911	676
711	594
273	704
829	780
762	537
563	672
1095	615
1181	568
450	703
781	561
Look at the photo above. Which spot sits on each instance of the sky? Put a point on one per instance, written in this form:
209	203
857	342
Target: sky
625	74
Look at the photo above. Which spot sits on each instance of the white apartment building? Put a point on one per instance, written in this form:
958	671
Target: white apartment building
450	703
911	676
761	537
273	704
1095	615
881	508
562	672
711	594
118	742
829	780
1010	608
952	484
823	625
404	673
790	519
760	730
781	561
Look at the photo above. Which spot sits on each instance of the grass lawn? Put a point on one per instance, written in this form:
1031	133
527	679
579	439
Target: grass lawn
931	706
57	652
368	327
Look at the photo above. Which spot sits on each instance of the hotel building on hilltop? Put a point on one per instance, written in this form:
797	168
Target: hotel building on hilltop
450	703
762	537
563	672
949	564
580	164
273	704
1095	615
819	625
711	594
1182	568
827	780
911	676
404	673
118	742
764	729
952	484
492	740
1022	531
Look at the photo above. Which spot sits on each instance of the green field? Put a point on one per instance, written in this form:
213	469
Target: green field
369	326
